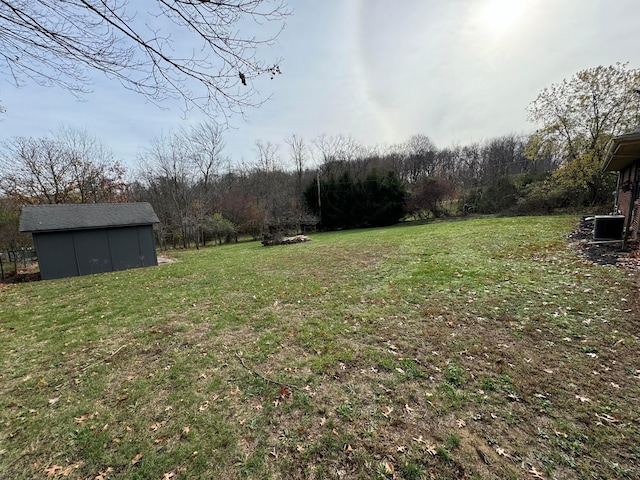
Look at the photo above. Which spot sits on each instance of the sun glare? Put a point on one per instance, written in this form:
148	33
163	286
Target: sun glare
501	16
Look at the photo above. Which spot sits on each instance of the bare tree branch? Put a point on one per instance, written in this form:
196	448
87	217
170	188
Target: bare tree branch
186	49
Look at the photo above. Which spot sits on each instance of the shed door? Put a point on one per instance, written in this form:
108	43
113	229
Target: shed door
125	251
92	251
147	244
56	255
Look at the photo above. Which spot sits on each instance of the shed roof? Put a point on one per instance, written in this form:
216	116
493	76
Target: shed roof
623	151
46	218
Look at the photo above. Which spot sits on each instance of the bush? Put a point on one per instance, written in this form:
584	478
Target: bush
221	228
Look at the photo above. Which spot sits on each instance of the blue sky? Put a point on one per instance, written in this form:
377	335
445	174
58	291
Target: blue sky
457	71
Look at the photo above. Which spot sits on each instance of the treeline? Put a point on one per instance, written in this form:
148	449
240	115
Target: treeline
332	182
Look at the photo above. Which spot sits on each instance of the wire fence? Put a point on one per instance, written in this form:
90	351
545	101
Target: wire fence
13	260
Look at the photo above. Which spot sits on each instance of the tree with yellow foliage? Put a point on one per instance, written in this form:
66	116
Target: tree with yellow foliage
577	118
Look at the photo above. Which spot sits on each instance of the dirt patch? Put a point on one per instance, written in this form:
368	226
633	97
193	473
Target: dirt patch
165	259
31	273
603	253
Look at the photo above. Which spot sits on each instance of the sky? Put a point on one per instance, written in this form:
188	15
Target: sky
457	71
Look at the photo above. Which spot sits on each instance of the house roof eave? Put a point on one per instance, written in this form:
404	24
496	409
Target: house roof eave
623	151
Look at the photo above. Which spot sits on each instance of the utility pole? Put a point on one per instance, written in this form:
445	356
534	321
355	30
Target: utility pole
319	201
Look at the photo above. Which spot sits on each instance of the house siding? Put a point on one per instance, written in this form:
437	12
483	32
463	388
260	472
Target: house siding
625	192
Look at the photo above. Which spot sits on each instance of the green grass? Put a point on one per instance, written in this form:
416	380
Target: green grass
478	349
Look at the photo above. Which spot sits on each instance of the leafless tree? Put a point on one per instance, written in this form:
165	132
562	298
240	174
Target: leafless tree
35	170
420	158
340	152
169	178
205	144
70	167
268	158
186	49
299	153
267	181
98	178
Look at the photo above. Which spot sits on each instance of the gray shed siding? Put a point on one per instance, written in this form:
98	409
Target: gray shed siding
84	252
81	239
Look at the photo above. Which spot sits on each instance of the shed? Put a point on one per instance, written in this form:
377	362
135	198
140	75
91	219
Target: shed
81	239
623	156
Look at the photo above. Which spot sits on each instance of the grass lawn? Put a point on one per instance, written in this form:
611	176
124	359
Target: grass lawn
482	349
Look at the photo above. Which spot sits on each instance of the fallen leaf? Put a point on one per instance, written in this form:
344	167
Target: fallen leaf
155	426
461	423
535	472
103	475
387	467
185	430
483	456
52	470
606	417
136	459
285	392
583	399
83	418
52	401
